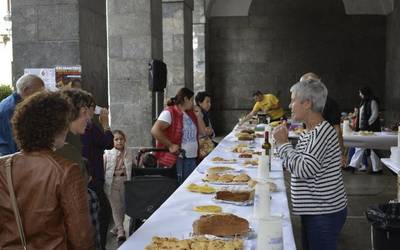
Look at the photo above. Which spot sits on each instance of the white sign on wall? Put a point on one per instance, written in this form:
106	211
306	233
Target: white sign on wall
48	76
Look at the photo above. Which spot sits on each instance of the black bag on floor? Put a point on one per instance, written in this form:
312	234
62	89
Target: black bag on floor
385	220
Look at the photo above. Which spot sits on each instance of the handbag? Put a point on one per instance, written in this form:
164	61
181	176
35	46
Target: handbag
206	145
14	204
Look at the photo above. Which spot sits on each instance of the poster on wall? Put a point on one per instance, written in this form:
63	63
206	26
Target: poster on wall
48	75
68	76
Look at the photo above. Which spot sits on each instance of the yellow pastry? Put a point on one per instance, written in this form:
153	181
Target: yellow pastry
241	178
201	189
208	209
218	169
226	178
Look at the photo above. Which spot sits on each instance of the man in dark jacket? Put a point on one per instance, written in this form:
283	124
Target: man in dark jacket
95	140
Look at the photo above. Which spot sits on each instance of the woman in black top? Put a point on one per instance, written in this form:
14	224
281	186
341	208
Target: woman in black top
368	120
203	105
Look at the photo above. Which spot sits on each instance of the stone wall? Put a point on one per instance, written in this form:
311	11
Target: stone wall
93	48
279	41
392	87
177	44
199	46
134	38
47	33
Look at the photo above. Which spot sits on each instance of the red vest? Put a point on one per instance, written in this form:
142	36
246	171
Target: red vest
174	134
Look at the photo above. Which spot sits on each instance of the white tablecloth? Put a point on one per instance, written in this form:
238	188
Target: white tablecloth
380	140
395	167
175	216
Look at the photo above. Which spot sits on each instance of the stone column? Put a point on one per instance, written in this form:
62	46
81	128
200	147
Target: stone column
199	45
134	31
178	44
47	33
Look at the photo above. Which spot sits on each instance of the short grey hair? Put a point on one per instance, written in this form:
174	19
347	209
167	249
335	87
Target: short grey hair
313	90
26	81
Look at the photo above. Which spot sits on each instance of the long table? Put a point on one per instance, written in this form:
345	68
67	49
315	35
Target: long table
395	167
175	217
379	140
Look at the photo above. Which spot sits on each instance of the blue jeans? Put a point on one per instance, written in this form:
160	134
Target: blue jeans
351	153
184	167
321	232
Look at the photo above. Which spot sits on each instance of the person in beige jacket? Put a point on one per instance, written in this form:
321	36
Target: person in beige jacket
50	190
118	169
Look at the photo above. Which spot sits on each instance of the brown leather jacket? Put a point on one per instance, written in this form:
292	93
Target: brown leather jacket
52	200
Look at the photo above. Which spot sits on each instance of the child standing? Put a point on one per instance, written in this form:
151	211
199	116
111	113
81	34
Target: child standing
118	169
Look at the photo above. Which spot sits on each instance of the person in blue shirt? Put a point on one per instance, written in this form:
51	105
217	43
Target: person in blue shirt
26	86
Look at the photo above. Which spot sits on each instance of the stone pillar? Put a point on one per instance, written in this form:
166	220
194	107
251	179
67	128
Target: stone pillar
199	45
47	33
44	33
178	44
392	83
134	30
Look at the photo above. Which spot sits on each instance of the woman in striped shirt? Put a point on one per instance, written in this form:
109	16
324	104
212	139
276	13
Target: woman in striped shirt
317	189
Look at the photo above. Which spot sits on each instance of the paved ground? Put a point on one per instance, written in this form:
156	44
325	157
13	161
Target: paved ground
362	189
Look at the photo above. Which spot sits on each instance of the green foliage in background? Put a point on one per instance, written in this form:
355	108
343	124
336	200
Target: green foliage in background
5	90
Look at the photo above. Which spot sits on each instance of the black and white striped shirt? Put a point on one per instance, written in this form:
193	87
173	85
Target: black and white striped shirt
316	177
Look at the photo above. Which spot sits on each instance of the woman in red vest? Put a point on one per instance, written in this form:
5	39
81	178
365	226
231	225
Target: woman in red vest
177	128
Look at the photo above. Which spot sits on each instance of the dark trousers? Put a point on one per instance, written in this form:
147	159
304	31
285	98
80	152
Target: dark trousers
104	212
321	232
184	167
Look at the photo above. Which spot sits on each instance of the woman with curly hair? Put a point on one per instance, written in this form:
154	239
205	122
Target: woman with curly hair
43	200
81	101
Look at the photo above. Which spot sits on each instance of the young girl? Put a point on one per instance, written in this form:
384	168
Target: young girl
118	168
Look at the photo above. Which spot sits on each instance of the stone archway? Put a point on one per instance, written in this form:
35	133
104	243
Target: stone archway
227	7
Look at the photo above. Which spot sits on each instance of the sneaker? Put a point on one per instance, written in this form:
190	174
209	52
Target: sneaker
376	172
121	239
114	231
348	168
362	168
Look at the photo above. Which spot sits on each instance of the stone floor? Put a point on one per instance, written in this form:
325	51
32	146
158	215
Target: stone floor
362	190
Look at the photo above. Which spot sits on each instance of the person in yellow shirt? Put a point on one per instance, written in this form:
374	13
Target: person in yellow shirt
267	103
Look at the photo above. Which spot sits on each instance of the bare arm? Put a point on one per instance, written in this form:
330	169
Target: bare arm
340	137
247	117
341	144
200	122
158	132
